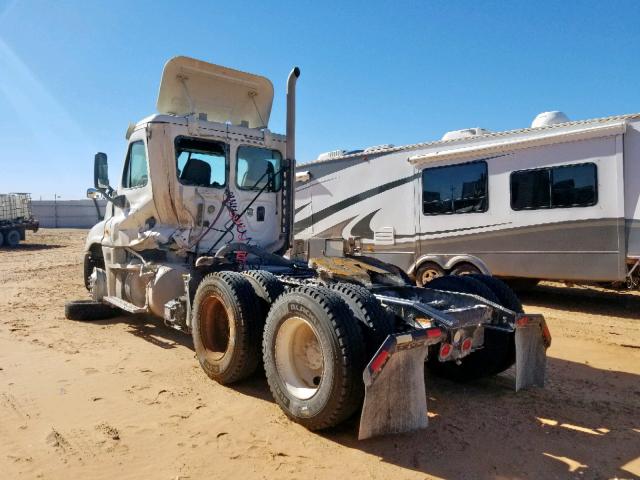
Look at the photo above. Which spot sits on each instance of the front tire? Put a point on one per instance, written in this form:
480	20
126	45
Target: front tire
313	354
225	333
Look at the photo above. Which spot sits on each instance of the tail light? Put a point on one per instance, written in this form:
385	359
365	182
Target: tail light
445	350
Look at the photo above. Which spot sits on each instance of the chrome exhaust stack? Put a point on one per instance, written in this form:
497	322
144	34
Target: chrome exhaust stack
291	114
290	155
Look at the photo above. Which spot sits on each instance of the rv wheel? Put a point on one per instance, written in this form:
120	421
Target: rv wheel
1	238
428	271
224	322
313	355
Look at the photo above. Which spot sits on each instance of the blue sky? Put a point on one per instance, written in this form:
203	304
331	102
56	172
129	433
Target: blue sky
74	74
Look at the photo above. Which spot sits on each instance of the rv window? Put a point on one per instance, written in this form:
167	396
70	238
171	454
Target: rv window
455	189
135	167
254	167
556	187
530	189
574	186
201	163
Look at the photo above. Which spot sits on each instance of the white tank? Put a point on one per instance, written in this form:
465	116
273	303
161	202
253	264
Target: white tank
549	118
465	133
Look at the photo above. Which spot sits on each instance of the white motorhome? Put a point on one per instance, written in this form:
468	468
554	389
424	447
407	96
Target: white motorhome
558	200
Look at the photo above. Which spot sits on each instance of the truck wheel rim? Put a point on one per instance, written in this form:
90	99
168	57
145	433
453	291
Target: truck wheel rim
298	357
215	326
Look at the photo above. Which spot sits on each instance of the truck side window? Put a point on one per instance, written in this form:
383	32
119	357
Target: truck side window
556	187
136	173
455	189
254	166
201	163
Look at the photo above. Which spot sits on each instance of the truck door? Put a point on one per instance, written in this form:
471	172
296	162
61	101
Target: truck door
125	222
202	168
256	169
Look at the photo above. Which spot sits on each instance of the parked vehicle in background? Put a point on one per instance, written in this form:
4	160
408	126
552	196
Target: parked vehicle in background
16	218
556	201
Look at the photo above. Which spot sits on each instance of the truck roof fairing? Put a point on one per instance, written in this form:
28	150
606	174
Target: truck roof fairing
191	86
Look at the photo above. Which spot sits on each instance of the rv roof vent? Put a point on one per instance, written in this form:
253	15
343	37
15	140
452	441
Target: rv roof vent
549	118
378	147
332	154
465	133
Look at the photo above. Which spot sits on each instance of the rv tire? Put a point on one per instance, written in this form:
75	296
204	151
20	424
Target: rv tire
313	354
224	327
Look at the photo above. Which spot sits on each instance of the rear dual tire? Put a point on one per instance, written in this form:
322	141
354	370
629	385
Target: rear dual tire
226	327
314	355
498	352
314	341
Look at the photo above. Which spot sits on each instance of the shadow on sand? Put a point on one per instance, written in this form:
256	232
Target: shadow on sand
584	300
30	247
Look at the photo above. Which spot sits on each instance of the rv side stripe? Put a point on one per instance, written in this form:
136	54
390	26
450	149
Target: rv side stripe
347	202
301	207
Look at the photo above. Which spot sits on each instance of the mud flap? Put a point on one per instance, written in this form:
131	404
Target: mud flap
395	398
532	341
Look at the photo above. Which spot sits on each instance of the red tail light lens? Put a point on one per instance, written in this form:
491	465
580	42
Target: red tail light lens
445	350
377	364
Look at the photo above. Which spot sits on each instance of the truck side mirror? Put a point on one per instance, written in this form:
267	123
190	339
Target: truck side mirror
101	171
93	193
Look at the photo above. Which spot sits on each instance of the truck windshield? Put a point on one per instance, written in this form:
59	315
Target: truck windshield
252	165
201	163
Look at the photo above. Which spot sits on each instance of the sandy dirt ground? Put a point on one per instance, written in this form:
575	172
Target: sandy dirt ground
125	398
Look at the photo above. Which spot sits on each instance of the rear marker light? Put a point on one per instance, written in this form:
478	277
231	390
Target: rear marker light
466	344
434	332
377	364
445	350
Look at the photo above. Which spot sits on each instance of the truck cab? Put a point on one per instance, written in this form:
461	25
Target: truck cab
203	172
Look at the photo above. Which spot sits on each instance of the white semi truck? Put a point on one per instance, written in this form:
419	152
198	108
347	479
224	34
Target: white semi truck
196	233
16	218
